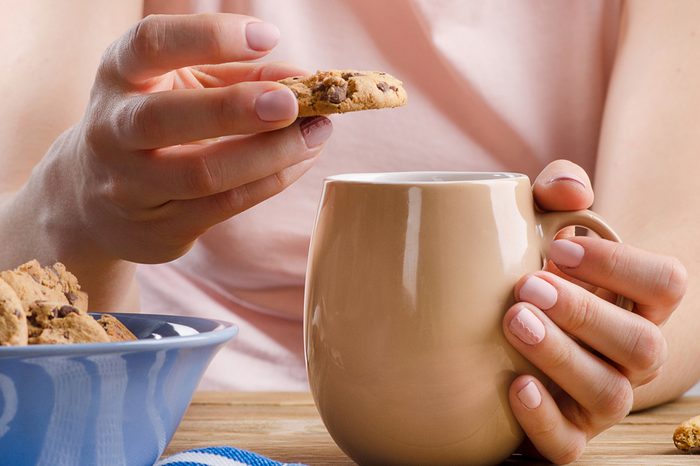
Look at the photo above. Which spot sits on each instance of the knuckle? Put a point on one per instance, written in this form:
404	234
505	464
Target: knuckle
651	376
583	314
106	65
204	177
214	37
569	451
95	134
545	429
672	281
146	39
224	113
281	180
234	201
119	200
649	350
615	400
617	261
97	131
562	358
137	120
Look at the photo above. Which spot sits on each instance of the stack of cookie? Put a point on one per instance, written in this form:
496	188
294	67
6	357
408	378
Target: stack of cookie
44	305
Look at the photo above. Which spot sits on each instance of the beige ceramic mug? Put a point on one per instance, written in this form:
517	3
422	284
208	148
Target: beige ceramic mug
409	277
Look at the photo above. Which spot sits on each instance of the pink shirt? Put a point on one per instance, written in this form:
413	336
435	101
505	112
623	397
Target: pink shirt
493	85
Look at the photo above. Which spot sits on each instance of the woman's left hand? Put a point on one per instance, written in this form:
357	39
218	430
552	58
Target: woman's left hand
594	352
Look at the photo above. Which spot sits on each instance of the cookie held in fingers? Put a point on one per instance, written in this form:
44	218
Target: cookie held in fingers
341	91
687	435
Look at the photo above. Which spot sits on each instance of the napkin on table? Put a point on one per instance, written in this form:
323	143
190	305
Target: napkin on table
220	456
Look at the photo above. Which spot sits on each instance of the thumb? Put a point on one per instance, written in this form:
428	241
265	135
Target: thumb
563	186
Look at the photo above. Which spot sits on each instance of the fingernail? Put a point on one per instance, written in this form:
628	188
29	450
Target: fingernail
315	130
566	253
538	292
530	396
261	36
527	327
567	177
276	105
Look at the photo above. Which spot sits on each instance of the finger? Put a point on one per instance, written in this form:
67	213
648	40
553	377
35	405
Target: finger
655	282
563	185
161	43
553	435
550	266
192	217
167	118
598	387
232	73
628	339
195	171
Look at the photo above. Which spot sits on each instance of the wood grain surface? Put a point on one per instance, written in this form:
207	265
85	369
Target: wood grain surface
287	428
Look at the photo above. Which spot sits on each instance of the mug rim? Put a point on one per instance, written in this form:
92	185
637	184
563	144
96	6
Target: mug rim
424	177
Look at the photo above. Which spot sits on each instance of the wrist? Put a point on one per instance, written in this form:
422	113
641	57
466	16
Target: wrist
46	220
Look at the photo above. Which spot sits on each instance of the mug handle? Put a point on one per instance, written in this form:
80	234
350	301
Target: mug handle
552	222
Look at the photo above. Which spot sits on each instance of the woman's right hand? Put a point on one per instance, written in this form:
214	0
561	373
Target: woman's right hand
141	188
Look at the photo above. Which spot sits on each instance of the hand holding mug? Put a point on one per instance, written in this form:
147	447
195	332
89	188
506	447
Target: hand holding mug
409	356
568	326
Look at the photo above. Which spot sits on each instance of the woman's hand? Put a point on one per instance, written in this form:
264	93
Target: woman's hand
593	352
131	181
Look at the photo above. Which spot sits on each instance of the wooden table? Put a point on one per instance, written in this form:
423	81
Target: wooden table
286	427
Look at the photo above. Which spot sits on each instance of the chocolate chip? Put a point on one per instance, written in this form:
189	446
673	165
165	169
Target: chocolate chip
394	88
383	86
320	87
351	74
63	311
71	297
336	94
66	334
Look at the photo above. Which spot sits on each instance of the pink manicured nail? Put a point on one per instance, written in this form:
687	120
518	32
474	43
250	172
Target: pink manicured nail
530	396
538	292
527	327
566	253
276	105
261	36
567	177
315	130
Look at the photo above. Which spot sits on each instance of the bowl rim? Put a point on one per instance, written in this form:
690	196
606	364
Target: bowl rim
222	333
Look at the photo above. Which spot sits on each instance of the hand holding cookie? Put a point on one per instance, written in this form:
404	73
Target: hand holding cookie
182	132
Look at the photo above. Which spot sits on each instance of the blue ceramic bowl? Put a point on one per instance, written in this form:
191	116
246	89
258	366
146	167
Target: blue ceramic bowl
104	404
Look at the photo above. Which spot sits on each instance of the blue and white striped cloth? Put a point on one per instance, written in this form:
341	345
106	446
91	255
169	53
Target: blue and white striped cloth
220	456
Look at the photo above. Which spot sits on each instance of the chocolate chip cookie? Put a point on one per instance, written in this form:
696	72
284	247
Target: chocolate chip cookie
687	435
29	290
341	91
56	277
44	305
13	322
115	329
56	323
